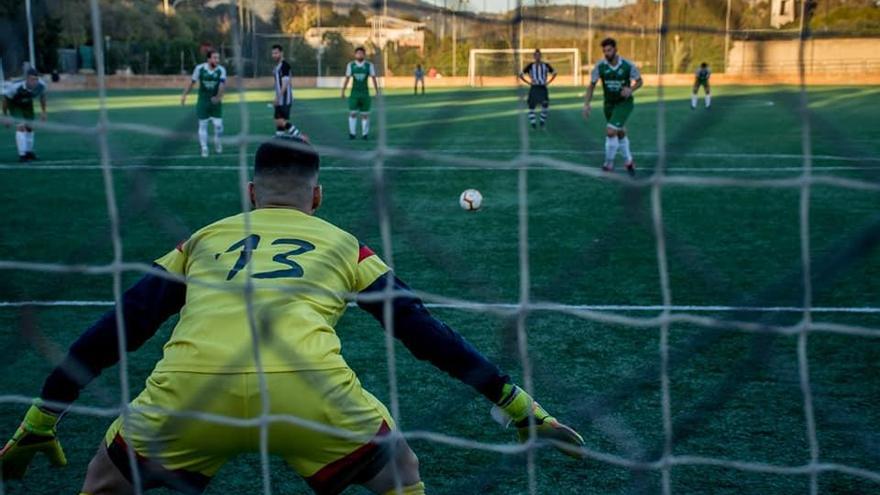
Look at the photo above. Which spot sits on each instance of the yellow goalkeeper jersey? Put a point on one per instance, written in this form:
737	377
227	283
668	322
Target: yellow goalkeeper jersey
301	269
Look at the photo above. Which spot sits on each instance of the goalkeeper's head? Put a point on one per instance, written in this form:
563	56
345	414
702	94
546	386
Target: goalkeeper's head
286	175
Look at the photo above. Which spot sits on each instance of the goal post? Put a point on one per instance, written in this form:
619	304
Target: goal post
488	65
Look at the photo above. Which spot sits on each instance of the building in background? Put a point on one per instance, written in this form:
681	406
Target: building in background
400	33
783	12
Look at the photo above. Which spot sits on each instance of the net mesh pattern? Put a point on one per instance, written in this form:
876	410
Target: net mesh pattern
665	313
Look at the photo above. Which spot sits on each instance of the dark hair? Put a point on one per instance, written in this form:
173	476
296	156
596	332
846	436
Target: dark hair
209	54
609	42
33	72
704	65
276	46
360	49
537	50
287	156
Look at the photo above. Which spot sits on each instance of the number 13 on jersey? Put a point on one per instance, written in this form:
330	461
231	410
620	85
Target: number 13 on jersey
249	244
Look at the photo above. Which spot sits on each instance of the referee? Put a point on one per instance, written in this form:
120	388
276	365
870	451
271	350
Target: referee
538	81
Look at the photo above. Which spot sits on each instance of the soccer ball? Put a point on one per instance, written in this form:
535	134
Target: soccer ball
470	200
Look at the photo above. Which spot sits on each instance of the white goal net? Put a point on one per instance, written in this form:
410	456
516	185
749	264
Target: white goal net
487	67
399	148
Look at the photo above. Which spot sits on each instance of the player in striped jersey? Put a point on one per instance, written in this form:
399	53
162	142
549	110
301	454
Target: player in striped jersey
272	284
211	77
283	93
540	76
18	100
701	78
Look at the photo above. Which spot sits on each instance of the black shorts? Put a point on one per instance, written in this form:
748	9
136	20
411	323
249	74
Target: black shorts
282	112
538	95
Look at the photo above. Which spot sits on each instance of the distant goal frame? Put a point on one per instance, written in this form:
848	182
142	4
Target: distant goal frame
472	60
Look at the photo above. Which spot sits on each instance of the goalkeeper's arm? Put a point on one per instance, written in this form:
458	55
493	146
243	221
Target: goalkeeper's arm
145	306
429	339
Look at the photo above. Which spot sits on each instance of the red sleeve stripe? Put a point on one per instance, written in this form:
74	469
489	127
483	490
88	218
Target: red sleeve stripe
364	253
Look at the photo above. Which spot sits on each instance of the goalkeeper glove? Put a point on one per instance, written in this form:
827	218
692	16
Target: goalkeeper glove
35	434
514	407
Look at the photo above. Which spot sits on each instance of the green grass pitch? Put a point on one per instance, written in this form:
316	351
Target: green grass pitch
734	396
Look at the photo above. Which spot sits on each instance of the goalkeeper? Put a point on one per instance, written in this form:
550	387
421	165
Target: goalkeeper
301	270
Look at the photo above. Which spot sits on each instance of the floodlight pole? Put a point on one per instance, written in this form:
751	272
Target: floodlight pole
384	40
661	42
30	23
519	59
321	45
253	17
457	5
590	34
727	35
454	43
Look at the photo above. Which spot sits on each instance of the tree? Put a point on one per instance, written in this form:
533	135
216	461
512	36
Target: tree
47	39
337	52
296	17
356	17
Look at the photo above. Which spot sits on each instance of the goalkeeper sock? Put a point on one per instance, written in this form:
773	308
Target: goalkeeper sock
203	133
29	140
365	125
611	144
352	125
693	100
20	143
624	149
708	100
417	489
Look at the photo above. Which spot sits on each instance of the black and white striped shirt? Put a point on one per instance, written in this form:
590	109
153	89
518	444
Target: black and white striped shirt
538	73
283	74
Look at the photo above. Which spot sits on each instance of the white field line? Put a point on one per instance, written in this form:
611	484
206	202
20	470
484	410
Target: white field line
545	307
418	168
490	151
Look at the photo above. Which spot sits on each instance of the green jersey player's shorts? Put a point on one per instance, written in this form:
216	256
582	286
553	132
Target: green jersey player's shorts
21	111
616	113
206	109
359	102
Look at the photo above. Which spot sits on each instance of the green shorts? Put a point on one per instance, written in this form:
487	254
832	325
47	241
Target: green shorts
616	113
205	109
359	103
698	84
20	111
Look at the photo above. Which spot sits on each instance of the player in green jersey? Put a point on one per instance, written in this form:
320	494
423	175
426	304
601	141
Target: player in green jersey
359	71
211	77
701	78
620	79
